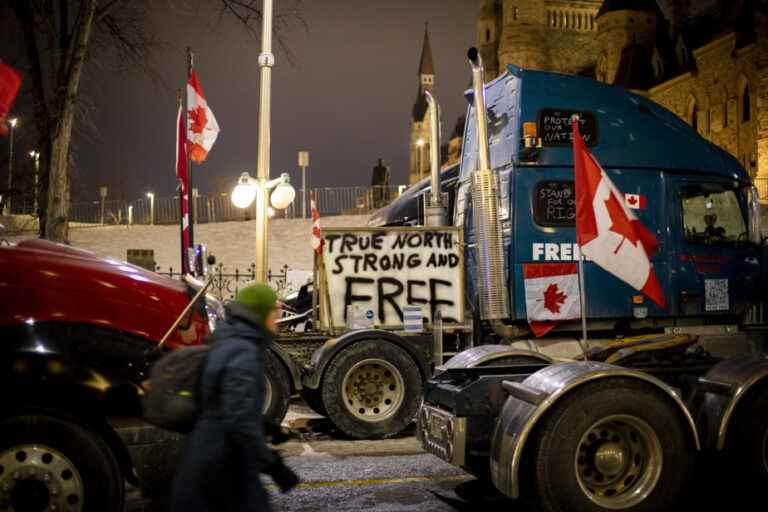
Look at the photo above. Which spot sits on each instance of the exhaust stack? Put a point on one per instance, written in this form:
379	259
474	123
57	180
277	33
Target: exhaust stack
492	282
436	212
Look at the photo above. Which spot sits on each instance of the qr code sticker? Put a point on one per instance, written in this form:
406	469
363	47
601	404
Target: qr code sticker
716	294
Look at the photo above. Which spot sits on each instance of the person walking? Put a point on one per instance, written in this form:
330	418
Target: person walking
227	451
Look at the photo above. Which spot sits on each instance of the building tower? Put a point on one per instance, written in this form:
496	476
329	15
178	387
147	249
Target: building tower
523	41
420	117
488	36
625	28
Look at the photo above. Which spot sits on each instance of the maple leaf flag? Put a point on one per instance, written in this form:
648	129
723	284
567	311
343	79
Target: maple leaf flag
317	238
607	231
203	128
551	295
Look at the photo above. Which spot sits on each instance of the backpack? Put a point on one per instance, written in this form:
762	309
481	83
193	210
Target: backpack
172	401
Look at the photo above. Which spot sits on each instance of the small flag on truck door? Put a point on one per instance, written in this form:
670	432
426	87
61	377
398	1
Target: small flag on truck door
635	201
551	295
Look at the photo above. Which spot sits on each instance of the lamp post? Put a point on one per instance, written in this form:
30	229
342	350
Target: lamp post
303	163
102	197
151	197
12	122
420	157
249	190
35	155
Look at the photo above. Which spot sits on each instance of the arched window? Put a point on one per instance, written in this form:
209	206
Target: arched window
487	34
746	108
515	13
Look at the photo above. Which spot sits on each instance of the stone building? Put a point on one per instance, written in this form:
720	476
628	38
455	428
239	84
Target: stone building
707	65
420	125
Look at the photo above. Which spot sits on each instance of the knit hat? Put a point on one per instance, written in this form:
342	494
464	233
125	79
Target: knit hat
259	298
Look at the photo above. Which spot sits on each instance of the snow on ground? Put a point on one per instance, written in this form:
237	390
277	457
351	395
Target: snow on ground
231	242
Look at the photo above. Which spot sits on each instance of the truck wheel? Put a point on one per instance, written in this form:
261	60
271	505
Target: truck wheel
314	399
50	463
278	390
611	446
371	390
748	441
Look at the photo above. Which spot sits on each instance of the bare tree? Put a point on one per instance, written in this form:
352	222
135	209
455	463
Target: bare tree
62	37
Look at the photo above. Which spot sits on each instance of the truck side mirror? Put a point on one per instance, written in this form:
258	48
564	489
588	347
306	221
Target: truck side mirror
202	261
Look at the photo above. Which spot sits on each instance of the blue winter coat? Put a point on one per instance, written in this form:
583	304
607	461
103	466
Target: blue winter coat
226	451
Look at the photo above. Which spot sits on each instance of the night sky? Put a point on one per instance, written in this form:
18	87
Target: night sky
347	98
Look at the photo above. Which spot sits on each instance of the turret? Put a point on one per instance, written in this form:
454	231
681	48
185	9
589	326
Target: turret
488	36
523	39
624	25
419	117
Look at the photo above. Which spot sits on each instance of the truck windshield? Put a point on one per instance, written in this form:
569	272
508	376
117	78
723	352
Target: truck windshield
712	215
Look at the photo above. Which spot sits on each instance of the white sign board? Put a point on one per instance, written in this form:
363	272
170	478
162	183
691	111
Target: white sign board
386	270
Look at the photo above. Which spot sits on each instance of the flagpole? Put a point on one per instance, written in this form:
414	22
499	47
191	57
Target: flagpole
582	281
583	303
182	214
190	67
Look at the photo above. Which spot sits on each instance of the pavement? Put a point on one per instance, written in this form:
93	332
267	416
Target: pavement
392	475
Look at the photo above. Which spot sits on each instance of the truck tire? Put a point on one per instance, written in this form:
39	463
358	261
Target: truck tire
371	390
314	399
277	390
748	442
49	461
613	445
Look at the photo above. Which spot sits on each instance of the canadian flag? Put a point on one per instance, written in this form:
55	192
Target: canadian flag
607	232
635	201
203	128
317	238
551	295
10	81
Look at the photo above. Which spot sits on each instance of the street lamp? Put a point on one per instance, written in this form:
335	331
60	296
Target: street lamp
151	197
249	190
35	155
12	122
303	163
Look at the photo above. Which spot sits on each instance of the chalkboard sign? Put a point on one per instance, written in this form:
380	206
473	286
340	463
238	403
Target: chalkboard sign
555	127
554	204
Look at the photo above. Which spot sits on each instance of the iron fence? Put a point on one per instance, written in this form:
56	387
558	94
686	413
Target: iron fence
225	285
219	208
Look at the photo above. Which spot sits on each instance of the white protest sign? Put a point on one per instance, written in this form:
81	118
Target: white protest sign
386	270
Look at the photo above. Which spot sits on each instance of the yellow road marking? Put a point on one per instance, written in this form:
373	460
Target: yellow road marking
374	481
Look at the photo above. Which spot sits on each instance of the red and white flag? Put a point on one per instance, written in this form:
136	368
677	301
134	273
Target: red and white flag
181	174
10	81
203	128
317	237
608	232
551	295
635	201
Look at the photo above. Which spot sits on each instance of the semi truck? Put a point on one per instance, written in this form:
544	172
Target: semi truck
618	421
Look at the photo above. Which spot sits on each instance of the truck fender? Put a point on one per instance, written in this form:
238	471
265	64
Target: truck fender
484	354
418	347
719	393
530	400
285	358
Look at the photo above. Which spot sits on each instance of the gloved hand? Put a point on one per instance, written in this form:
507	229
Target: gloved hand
283	476
275	433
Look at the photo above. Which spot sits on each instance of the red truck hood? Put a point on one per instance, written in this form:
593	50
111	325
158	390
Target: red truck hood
41	280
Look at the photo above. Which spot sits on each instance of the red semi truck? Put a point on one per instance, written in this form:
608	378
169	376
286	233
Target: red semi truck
75	331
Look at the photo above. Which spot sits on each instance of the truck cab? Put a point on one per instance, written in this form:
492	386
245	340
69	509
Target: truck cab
693	196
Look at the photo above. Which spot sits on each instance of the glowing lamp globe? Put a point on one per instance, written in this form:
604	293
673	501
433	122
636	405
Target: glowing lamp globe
243	195
283	196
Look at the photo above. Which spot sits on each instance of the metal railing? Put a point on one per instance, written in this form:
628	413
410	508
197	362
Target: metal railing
226	284
219	208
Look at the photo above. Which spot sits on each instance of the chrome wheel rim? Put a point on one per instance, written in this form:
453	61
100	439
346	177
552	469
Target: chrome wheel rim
37	478
373	390
618	462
